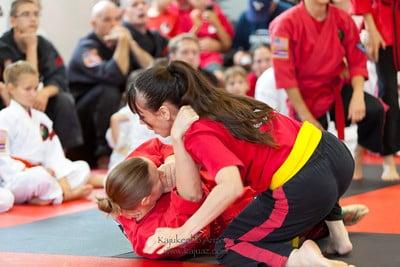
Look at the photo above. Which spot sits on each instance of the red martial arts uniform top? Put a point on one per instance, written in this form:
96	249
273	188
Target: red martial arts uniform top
213	147
171	210
386	14
309	55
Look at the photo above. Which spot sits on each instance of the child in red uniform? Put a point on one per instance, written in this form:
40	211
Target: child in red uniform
298	171
382	20
315	46
131	182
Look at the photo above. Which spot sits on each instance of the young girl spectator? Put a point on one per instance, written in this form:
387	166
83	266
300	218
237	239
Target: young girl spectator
236	81
32	162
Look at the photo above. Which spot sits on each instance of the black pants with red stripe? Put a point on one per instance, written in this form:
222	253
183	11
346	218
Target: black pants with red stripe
261	234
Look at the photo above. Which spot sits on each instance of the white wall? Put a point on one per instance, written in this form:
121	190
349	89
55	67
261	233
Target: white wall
64	22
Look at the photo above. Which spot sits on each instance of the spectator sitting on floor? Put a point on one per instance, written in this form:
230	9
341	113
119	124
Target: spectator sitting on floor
236	81
23	43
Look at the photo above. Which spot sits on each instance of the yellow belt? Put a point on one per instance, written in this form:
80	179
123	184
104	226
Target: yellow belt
306	142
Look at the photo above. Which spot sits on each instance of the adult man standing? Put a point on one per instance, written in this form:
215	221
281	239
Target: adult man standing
23	43
97	72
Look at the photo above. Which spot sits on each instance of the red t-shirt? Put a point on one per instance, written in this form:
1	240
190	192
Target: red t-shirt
213	147
165	23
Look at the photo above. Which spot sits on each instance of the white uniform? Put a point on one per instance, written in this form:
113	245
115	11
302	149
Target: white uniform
28	139
6	200
131	135
267	92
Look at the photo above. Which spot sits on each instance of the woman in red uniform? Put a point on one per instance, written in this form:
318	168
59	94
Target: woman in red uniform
143	198
382	21
318	59
298	171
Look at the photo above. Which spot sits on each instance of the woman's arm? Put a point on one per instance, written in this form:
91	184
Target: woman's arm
188	181
229	188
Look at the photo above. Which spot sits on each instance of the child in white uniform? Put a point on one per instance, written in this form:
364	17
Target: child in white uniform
6	200
32	162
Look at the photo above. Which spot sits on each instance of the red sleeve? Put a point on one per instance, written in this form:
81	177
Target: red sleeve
154	150
282	48
355	51
208	150
361	7
177	212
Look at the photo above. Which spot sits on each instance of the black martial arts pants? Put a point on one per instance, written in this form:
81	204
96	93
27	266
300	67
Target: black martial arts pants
62	111
261	234
370	129
388	91
95	107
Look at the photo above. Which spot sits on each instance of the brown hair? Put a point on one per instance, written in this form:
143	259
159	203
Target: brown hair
126	185
174	42
14	71
179	84
232	72
17	3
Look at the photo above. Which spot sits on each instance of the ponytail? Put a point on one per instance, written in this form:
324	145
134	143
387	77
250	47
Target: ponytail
179	84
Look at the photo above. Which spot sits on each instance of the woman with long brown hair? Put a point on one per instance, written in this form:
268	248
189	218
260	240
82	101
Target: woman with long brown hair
298	171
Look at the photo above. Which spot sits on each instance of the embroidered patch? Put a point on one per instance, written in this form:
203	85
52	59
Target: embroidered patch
44	131
3	141
280	47
361	47
91	58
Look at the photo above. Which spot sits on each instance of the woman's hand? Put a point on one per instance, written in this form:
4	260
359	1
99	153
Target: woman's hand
168	179
165	239
184	119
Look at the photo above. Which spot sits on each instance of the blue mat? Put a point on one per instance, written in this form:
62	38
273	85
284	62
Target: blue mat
88	233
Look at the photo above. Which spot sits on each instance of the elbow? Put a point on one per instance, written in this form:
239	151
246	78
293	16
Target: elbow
235	191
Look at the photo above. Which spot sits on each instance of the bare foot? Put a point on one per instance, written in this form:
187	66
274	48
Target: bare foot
82	191
309	254
339	241
352	214
389	169
40	202
358	171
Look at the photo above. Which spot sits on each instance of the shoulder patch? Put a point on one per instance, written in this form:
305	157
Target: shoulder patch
3	141
91	58
280	47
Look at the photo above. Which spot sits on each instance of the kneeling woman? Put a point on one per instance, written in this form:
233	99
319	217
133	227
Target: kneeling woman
298	171
141	195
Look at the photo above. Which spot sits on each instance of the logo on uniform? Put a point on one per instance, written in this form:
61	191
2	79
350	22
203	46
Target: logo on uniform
91	58
44	131
280	47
